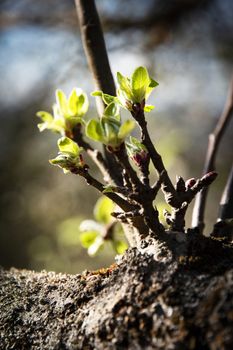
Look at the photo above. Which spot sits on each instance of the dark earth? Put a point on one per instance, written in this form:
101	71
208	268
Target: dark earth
183	302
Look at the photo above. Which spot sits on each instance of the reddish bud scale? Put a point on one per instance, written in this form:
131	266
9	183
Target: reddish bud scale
140	158
190	182
209	177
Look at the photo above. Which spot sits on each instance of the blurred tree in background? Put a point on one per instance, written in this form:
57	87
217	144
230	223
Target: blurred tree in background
186	45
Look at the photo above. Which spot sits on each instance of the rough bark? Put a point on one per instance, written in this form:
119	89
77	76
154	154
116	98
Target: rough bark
141	302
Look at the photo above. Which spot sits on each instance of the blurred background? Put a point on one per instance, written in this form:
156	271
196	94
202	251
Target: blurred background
187	46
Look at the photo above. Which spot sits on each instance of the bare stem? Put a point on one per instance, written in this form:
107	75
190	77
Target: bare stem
94	45
122	158
178	215
167	186
96	54
90	180
213	145
226	203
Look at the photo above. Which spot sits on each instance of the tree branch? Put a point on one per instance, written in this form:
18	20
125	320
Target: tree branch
213	145
90	180
96	54
122	158
226	203
167	186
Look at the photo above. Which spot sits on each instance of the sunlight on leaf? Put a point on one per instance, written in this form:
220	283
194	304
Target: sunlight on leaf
103	209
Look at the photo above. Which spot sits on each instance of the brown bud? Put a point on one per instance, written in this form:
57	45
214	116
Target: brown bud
190	183
140	157
136	107
208	178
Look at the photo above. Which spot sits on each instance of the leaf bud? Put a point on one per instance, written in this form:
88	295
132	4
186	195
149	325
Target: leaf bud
208	178
136	107
140	157
190	183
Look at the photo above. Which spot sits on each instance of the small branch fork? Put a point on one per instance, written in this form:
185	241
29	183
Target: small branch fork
214	141
180	197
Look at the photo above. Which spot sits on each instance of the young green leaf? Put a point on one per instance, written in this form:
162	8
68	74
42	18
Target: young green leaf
66	145
94	130
103	209
105	97
148	108
151	87
62	102
48	122
124	84
78	103
63	162
112	110
125	129
45	116
140	81
87	238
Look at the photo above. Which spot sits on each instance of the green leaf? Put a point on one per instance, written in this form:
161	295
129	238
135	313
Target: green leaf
62	102
87	238
151	87
124	84
134	142
134	146
49	123
105	97
148	108
153	83
73	102
108	98
66	145
112	110
62	161
111	128
96	93
123	100
78	103
45	116
119	246
125	129
95	131
103	209
96	246
140	81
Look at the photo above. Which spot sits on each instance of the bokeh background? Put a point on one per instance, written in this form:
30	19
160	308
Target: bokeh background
187	45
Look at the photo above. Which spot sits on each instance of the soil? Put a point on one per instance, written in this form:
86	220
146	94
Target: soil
138	303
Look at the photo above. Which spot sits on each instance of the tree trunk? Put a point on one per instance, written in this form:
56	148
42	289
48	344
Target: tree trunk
142	302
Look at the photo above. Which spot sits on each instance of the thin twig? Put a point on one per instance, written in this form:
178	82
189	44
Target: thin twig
226	203
123	159
90	180
94	154
167	186
178	215
213	145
